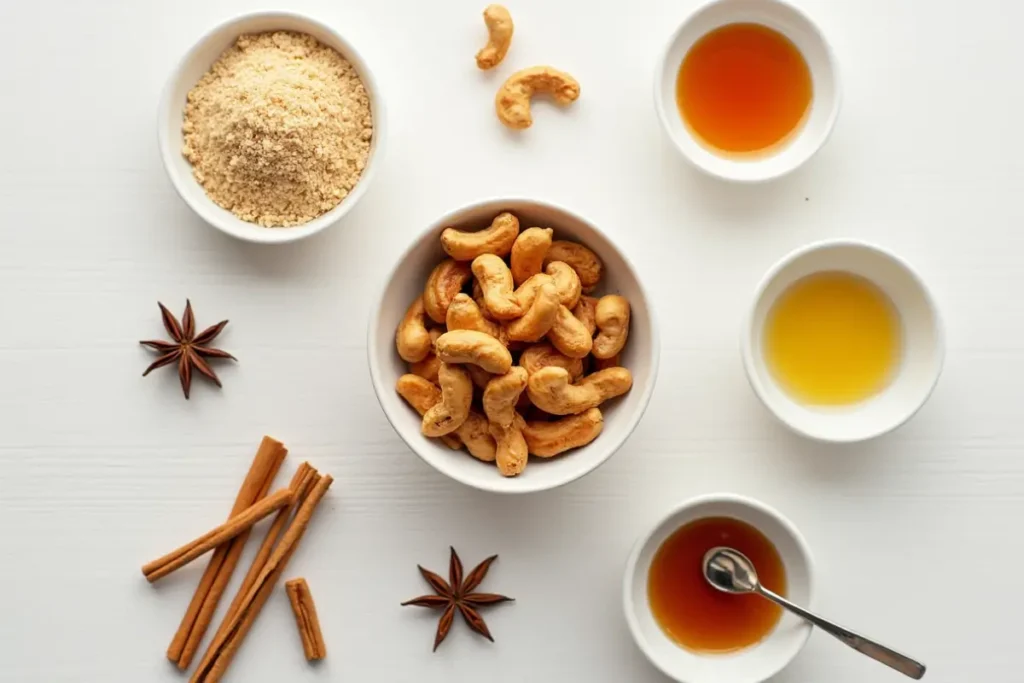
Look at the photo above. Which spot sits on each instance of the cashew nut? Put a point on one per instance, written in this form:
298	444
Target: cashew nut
475	433
567	282
527	291
551	391
501	395
585	311
569	335
512	452
545	439
496	239
456	396
481	378
496	282
528	253
422	395
537	321
512	102
612	318
412	338
470	346
478	297
445	281
464	314
544	355
428	367
499	37
585	262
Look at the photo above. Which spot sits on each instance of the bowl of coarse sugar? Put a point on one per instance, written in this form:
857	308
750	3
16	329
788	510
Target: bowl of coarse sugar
271	127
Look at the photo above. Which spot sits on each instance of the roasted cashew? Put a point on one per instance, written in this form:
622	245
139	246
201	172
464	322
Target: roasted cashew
612	318
545	439
567	282
544	355
470	346
528	253
423	395
569	335
428	367
475	433
496	239
501	395
478	297
499	37
456	396
527	291
585	262
551	391
445	281
512	452
496	282
481	378
538	319
412	338
512	102
585	311
464	314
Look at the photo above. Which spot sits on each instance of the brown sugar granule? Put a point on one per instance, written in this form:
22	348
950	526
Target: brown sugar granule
278	131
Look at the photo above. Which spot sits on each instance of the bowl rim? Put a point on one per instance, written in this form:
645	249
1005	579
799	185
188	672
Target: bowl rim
496	484
662	108
230	224
719	497
747	330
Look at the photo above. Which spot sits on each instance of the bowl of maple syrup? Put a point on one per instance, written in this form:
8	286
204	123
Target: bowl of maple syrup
695	633
748	90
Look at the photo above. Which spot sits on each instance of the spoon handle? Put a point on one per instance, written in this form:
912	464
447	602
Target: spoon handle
905	665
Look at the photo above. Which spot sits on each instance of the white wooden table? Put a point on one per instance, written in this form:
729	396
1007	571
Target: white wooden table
102	470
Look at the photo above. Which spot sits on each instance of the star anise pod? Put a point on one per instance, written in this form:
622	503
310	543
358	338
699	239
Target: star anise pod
187	349
457	594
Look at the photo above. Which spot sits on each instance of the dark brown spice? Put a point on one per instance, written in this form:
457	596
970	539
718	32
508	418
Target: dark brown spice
188	349
457	594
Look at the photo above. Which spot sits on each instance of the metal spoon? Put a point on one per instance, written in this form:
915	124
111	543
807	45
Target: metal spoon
730	571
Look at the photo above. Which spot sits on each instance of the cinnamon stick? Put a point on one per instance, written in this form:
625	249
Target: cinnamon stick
176	559
197	619
306	619
223	648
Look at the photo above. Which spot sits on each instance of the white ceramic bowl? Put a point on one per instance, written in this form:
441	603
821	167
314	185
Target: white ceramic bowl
406	281
754	664
825	103
923	347
196	63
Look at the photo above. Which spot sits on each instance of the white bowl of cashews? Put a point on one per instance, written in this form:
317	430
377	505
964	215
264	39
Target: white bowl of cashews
482	366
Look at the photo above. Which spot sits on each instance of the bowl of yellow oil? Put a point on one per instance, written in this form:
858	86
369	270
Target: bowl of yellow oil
843	342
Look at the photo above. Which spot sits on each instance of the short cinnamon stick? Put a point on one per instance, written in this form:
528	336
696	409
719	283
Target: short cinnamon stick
176	559
306	619
224	647
197	619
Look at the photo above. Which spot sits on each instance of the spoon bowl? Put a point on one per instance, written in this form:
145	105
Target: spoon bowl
730	571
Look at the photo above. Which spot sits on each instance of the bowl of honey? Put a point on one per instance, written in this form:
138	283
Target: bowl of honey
695	633
843	342
748	90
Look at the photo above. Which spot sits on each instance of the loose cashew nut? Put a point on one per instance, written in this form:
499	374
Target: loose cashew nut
527	292
512	452
428	367
423	395
501	395
478	297
546	439
586	312
464	314
528	253
499	37
551	391
512	102
496	239
544	355
456	396
475	433
537	321
496	282
612	318
412	338
470	346
567	282
445	281
569	335
585	262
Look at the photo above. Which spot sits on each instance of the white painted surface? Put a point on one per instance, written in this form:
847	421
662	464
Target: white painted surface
102	470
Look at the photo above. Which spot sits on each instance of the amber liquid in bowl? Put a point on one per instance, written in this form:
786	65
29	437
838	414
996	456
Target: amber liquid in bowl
699	617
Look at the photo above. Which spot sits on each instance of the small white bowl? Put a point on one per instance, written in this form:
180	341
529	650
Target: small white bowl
194	66
825	102
621	415
922	354
753	664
